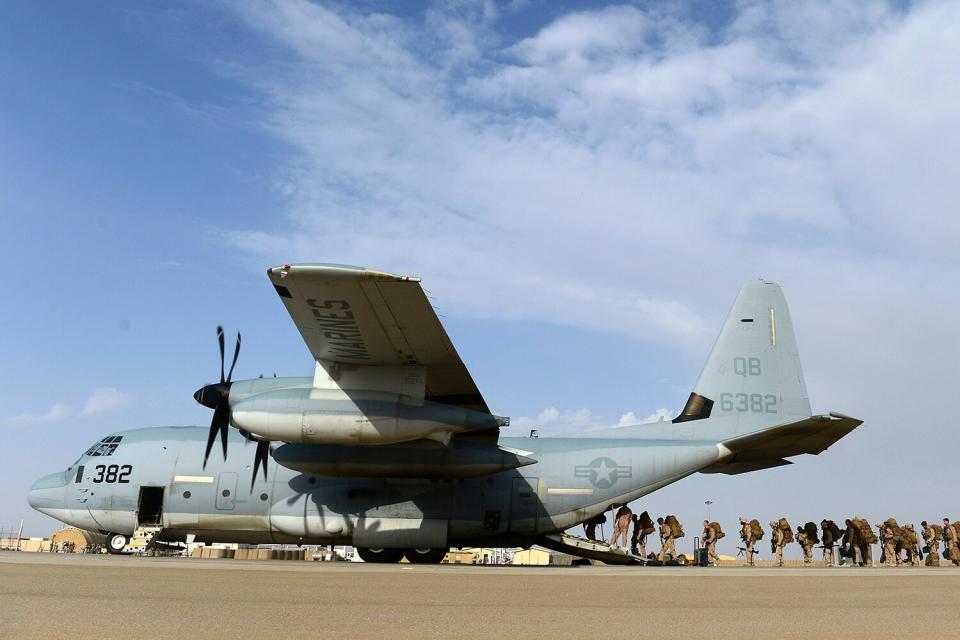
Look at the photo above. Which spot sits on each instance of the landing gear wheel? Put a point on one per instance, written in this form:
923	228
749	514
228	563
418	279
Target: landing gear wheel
381	556
116	543
425	556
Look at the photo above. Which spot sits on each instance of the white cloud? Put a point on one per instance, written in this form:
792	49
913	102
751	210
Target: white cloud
553	421
624	170
621	169
630	418
58	411
102	400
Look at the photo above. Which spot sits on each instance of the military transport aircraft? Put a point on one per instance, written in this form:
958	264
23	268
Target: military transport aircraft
391	448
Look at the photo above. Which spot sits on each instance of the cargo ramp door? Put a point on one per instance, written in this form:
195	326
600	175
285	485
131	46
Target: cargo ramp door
590	549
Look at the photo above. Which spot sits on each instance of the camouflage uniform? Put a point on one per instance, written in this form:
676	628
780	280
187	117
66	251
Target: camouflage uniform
828	542
638	541
890	555
806	544
590	526
746	534
778	542
621	525
710	542
950	542
933	547
913	550
666	539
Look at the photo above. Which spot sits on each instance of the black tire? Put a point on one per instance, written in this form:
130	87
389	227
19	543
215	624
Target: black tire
425	556
380	556
116	542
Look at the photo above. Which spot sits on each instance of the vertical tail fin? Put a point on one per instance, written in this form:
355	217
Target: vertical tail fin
752	378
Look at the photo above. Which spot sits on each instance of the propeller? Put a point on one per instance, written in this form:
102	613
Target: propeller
217	397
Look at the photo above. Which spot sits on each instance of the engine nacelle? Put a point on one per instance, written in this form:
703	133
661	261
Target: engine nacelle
334	416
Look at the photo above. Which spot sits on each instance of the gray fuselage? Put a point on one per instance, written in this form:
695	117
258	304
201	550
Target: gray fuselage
573	479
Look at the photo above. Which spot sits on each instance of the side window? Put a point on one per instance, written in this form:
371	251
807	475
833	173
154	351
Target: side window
79	475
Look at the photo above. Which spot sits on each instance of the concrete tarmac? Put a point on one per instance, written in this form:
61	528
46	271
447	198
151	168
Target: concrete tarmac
62	595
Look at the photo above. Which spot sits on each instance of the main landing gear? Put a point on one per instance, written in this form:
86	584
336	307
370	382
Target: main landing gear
414	556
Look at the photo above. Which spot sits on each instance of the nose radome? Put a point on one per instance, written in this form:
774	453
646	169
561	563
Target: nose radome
47	493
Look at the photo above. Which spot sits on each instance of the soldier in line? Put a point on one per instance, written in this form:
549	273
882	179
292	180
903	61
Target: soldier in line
710	542
667	548
933	545
827	529
950	542
590	526
806	544
621	525
890	556
912	544
746	534
778	541
638	541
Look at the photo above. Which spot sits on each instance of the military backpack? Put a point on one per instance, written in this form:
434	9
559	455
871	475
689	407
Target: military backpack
676	529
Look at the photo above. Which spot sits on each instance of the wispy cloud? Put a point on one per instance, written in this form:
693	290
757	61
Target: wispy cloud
101	400
105	399
621	169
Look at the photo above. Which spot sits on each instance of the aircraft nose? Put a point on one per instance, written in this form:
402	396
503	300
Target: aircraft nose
47	493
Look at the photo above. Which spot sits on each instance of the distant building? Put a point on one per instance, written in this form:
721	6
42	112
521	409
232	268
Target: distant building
539	556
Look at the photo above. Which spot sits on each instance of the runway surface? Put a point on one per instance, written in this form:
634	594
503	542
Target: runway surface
59	596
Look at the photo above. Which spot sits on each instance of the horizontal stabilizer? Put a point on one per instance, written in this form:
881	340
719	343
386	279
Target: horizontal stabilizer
768	448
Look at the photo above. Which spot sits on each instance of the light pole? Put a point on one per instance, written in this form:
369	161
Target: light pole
708	503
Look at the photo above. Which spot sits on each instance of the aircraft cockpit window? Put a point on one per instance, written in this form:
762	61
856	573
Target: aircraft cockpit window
105	447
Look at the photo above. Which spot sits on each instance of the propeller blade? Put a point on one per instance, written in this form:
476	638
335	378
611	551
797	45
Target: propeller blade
261	457
236	352
223	413
211	438
220	340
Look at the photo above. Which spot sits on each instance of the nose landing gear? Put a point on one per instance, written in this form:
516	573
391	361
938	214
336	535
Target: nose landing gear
116	543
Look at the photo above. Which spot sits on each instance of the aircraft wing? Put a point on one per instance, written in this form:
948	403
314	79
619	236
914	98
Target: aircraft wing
357	316
768	448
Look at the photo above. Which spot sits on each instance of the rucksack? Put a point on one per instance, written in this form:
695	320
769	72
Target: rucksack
937	532
675	527
897	530
866	531
787	531
756	529
811	530
646	523
717	530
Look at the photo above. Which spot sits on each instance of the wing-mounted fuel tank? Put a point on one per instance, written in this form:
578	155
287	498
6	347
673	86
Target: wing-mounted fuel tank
422	459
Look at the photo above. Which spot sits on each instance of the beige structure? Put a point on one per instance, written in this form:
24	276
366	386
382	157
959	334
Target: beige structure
75	540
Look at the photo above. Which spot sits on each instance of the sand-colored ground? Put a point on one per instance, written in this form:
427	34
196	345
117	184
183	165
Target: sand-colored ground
60	596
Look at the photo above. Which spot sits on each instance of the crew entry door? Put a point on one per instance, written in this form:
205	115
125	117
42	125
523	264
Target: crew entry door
524	505
150	506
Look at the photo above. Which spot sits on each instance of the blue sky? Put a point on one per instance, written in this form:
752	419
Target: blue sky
582	188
